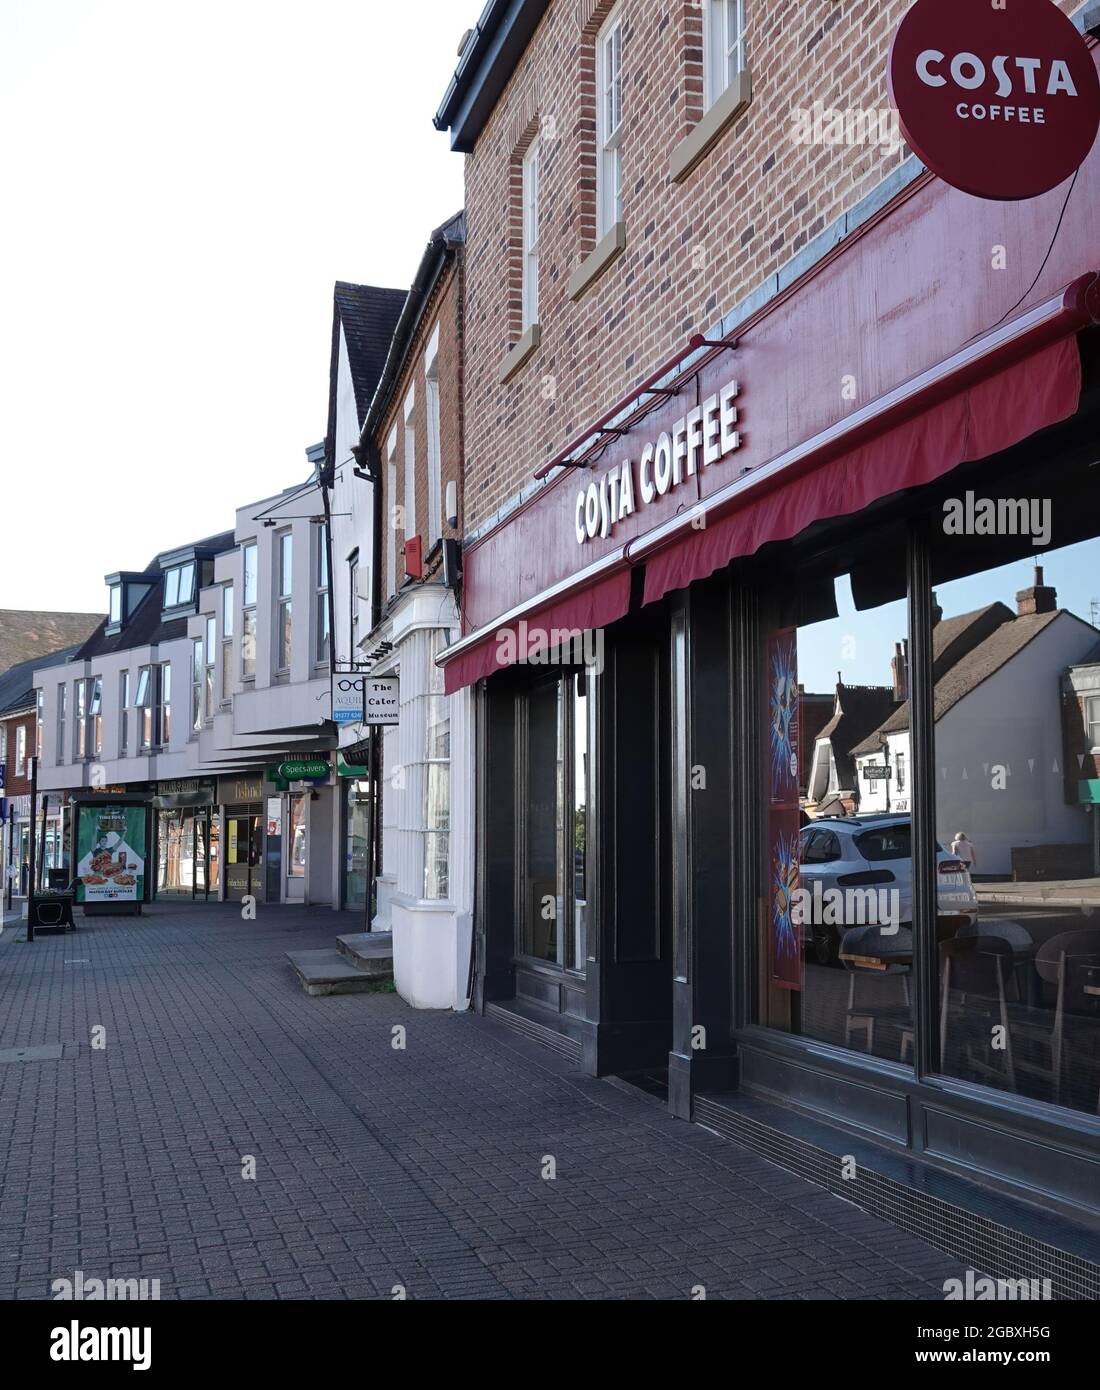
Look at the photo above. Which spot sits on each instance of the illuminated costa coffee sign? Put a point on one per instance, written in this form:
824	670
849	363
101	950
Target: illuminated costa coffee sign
704	435
1000	100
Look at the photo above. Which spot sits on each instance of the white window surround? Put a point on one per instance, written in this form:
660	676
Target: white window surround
410	462
1092	722
530	291
609	114
391	527
723	46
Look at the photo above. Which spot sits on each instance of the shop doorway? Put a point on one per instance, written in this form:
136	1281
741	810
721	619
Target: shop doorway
243	853
186	837
297	848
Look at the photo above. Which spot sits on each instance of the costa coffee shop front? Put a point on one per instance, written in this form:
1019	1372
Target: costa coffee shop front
658	801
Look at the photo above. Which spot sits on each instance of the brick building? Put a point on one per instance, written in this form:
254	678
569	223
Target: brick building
413	435
731	353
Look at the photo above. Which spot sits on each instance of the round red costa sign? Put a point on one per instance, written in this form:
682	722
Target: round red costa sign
1002	103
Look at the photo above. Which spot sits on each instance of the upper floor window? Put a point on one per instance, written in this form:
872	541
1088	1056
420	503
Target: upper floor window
395	512
154	699
322	594
250	572
531	236
1092	716
208	673
197	666
227	642
115	610
20	750
39	719
123	713
435	462
179	585
286	608
80	719
410	464
609	118
249	588
62	710
353	602
723	46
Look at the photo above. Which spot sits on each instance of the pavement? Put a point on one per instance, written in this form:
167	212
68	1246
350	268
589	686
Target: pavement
191	1116
1081	893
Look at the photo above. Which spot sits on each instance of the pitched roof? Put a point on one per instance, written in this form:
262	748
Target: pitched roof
144	627
858	710
26	633
1007	640
368	316
17	682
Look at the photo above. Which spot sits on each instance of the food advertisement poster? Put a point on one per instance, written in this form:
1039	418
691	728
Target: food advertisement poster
110	854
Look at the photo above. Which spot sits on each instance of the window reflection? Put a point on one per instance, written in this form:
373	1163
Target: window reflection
1018	803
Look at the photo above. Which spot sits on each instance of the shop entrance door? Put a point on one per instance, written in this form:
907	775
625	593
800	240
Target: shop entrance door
183	847
243	854
297	849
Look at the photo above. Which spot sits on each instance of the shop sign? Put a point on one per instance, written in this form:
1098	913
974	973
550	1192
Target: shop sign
3	775
110	853
347	699
877	772
702	436
345	769
235	791
381	700
1001	101
785	934
302	770
186	791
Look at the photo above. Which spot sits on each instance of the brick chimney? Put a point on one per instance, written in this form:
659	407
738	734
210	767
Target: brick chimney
899	665
1040	598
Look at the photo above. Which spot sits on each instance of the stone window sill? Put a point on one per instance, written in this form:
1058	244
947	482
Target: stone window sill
519	354
596	262
695	146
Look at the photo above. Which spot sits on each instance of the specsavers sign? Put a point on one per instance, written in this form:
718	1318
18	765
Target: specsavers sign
1000	99
699	438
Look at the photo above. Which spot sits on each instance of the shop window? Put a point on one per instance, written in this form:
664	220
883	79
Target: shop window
321	614
530	180
1017	812
836	946
609	116
437	780
554	857
285	606
723	46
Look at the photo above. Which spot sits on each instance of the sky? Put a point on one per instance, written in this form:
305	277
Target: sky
181	187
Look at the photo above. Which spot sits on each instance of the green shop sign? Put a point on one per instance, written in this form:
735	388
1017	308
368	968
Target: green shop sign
299	770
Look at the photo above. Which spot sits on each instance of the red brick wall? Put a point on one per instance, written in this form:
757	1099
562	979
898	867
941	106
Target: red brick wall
444	308
16	786
693	250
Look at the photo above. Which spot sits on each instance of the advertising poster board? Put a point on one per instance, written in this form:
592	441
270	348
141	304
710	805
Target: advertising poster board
110	852
785	937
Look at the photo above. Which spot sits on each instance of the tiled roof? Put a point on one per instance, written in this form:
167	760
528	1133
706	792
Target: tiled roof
17	683
368	315
25	633
859	709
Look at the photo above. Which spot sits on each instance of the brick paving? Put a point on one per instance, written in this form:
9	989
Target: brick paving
375	1167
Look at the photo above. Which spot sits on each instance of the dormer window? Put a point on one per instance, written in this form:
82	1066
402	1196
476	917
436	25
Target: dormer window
179	585
115	609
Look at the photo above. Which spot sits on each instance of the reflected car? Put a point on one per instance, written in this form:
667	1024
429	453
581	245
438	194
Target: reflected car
842	857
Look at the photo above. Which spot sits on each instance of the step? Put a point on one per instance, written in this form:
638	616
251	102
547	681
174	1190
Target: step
370	952
329	972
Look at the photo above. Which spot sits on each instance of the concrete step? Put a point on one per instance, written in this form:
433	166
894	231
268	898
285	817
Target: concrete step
369	951
330	972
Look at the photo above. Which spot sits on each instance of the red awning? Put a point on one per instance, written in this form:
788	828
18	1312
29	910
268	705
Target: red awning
1016	380
981	420
596	606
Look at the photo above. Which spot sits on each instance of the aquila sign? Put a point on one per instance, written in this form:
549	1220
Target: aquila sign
1000	98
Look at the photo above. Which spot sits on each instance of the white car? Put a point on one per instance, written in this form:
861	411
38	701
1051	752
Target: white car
856	866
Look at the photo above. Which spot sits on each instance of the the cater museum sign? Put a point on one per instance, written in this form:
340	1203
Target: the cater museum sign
702	436
1000	98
